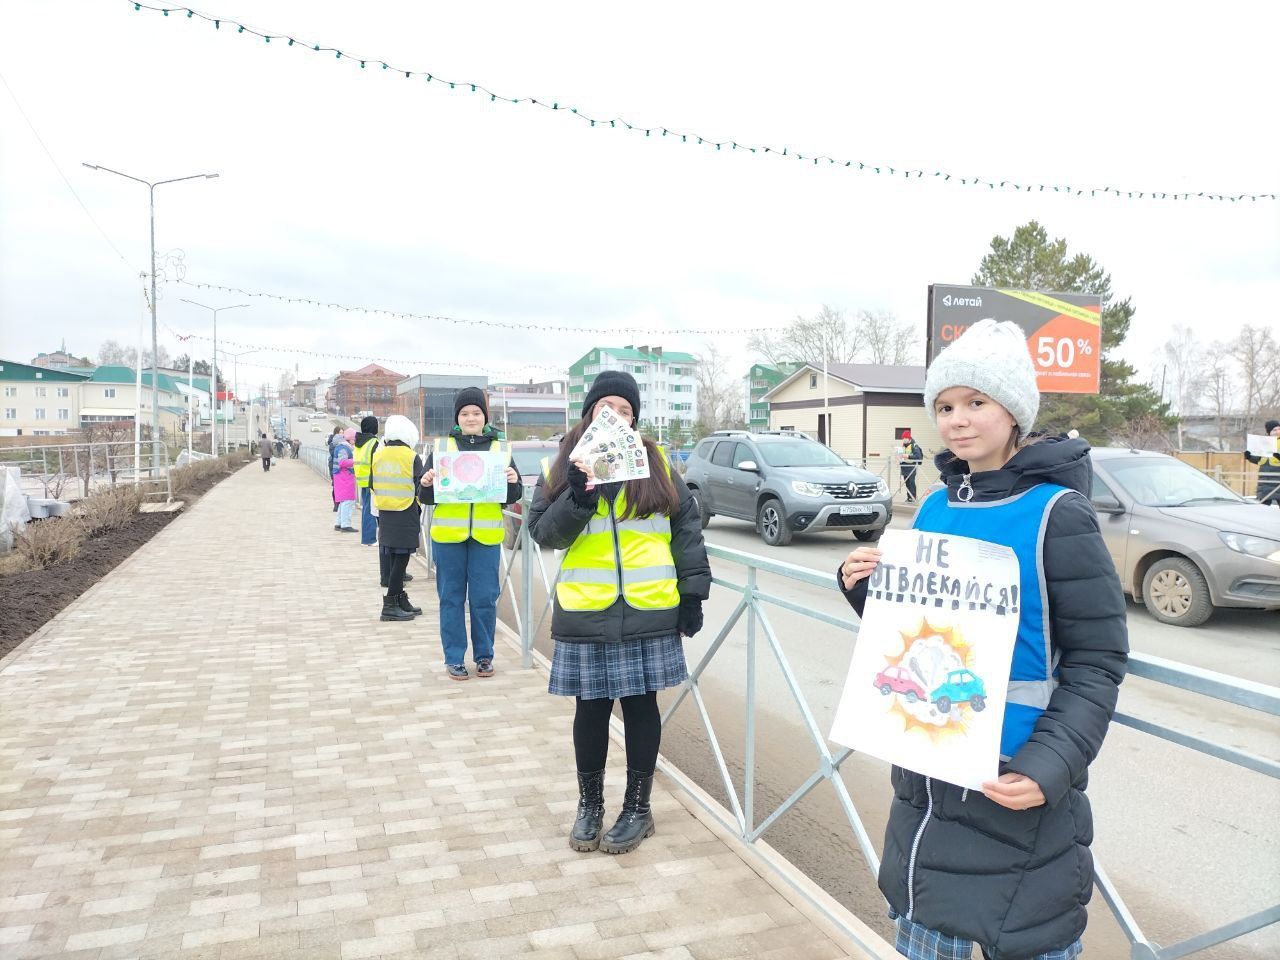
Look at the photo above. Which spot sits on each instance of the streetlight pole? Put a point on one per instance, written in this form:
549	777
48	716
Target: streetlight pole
155	359
213	372
235	361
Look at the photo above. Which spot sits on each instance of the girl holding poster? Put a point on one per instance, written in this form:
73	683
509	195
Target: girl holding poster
1009	868
632	583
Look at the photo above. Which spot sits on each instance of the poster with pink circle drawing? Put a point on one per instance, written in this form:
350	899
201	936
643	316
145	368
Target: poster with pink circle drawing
472	476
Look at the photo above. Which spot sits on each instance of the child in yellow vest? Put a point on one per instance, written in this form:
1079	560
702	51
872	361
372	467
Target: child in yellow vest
466	543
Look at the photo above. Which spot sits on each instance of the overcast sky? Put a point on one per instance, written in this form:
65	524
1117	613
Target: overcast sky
367	188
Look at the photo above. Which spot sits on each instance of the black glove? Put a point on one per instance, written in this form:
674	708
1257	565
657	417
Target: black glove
689	619
578	488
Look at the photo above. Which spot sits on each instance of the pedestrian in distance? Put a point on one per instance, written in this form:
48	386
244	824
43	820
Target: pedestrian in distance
631	585
1009	868
344	481
329	442
466	541
912	457
295	446
396	478
1268	490
366	444
264	451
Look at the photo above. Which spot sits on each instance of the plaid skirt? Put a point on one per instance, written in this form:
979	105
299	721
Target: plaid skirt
593	671
915	941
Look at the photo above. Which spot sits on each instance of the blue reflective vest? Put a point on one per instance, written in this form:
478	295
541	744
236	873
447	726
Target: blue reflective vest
1017	522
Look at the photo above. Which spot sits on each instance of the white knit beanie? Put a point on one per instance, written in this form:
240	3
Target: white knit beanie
402	429
992	358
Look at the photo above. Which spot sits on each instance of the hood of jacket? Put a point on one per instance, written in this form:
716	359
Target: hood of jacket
1049	460
482	441
362	438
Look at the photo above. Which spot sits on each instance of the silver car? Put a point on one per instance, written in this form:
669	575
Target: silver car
1182	543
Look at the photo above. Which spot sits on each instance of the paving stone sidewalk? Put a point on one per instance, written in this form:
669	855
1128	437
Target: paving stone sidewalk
219	751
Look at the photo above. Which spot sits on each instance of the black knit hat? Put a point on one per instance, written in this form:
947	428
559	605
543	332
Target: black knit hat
612	383
369	425
468	396
1272	424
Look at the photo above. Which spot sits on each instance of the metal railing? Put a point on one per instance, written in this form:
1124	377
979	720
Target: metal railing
72	471
742	820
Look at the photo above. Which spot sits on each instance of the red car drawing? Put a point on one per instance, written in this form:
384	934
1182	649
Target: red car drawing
897	680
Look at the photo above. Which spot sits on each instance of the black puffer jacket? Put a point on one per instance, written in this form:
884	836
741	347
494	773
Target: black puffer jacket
556	524
1017	881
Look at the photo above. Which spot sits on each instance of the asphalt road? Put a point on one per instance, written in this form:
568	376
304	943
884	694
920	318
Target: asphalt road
1190	841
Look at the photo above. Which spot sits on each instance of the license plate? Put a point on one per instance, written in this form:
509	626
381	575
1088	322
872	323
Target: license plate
854	512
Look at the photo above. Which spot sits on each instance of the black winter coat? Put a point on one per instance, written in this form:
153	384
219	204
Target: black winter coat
556	524
1017	881
400	529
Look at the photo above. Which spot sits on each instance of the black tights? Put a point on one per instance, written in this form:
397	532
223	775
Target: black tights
399	563
641	721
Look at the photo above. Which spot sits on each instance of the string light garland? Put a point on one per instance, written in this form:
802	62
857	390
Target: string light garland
653	131
497	324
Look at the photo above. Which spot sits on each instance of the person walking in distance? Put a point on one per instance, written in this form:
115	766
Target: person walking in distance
344	481
264	451
1008	868
631	584
366	444
466	541
1268	470
912	457
395	476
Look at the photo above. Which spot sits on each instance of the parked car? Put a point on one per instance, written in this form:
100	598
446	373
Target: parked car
302	418
1183	544
528	455
315	428
898	680
961	686
787	483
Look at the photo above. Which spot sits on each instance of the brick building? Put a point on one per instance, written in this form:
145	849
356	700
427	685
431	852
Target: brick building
372	387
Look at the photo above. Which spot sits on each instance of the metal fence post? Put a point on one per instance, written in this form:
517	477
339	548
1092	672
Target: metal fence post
526	588
749	753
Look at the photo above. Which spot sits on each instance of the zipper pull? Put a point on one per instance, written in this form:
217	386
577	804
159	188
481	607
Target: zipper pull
965	493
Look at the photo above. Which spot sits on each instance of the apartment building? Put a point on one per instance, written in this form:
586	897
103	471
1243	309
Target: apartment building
38	401
668	382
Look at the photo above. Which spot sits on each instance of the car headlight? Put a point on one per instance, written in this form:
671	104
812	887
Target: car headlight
806	489
882	488
1254	546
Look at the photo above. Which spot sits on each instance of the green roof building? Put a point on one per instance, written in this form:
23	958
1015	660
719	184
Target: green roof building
668	383
760	379
38	401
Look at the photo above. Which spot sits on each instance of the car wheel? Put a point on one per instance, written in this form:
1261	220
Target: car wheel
772	524
868	536
978	703
911	696
703	512
886	689
944	704
1175	591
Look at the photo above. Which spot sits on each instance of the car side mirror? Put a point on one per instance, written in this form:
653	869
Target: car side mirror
749	465
1106	504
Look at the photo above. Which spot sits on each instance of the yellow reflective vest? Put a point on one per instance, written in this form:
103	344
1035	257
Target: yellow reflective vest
458	522
392	477
364	461
613	557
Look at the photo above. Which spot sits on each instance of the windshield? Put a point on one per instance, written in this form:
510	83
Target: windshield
797	453
529	460
1165	482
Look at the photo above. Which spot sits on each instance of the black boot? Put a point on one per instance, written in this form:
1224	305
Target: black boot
391	609
384	567
406	606
635	822
585	835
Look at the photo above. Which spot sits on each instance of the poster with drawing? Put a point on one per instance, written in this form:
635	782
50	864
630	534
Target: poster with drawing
473	476
1261	445
611	450
927	683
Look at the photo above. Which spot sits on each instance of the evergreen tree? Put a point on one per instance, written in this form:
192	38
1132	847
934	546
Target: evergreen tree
1030	261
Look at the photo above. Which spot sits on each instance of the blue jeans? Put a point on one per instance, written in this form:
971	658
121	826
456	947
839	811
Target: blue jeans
368	522
467	575
345	509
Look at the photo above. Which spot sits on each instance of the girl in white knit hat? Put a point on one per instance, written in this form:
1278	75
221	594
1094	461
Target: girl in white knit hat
1009	869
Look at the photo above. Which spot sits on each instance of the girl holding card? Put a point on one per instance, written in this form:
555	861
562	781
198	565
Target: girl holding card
1009	868
631	585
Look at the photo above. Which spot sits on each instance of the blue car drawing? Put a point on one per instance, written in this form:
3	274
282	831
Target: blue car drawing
961	686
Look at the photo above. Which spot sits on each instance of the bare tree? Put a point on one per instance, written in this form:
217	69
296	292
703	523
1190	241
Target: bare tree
113	354
803	340
888	340
720	396
1145	432
1257	357
1181	373
1219	392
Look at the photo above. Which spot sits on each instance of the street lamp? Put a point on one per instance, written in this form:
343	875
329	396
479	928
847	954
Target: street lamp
155	359
213	374
235	376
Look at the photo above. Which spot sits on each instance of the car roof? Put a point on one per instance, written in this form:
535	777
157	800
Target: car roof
534	444
1116	453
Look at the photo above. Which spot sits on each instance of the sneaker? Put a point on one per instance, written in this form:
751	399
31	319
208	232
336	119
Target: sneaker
457	671
484	668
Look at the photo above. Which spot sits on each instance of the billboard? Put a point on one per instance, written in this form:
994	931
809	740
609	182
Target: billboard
1063	330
